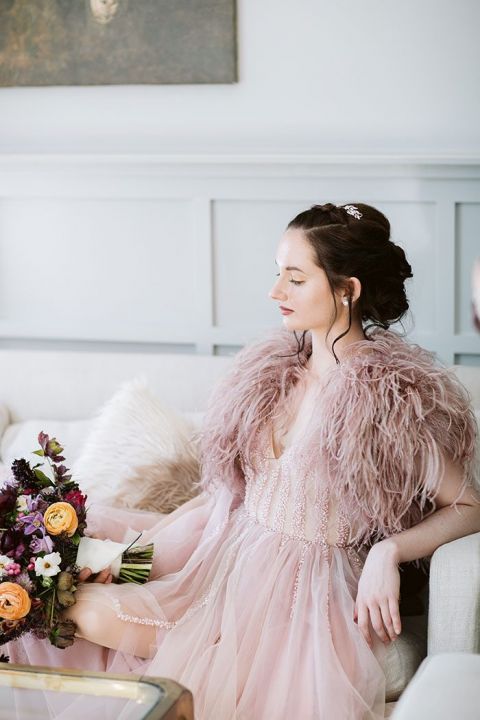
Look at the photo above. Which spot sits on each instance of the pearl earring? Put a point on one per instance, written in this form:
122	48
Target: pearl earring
345	301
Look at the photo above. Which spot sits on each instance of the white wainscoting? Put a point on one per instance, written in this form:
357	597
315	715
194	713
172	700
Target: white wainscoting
176	253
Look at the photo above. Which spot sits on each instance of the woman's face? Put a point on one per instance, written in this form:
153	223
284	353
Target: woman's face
303	287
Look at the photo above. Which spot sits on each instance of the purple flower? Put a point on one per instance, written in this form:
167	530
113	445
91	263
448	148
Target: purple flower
51	448
19	550
41	544
23	580
31	523
36	503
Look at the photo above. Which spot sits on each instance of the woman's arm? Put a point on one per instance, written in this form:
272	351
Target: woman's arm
445	524
379	586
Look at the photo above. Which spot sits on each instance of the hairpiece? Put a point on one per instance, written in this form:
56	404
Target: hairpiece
353	210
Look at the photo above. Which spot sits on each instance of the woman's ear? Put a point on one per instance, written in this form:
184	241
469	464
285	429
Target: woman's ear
354	288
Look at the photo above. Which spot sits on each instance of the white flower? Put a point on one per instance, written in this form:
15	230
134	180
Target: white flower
4	560
48	565
22	503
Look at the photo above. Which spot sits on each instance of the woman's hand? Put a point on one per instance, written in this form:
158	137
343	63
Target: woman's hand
104	576
86	575
379	594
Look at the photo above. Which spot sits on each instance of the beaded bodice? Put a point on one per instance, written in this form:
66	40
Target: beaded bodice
285	497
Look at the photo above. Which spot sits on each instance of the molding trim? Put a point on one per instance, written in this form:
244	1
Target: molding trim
262	164
204	180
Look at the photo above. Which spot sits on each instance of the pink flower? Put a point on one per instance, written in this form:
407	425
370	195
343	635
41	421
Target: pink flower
13	569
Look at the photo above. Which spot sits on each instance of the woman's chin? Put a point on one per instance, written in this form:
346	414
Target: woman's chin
292	323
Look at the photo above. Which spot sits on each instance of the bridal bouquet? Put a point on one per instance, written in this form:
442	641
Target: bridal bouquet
43	547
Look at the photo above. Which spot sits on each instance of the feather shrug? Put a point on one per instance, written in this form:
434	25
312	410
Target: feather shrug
382	425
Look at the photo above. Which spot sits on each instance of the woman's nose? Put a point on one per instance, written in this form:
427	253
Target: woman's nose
276	293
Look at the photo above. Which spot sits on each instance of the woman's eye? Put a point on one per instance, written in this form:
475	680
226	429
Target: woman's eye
295	282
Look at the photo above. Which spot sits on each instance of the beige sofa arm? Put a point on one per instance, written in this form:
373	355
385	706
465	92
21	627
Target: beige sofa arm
454	597
444	687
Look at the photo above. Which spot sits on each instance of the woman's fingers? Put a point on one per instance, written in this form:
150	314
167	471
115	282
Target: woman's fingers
387	620
104	576
84	574
384	618
395	613
377	623
363	622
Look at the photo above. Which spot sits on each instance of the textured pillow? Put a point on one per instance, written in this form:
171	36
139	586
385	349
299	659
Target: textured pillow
139	453
404	656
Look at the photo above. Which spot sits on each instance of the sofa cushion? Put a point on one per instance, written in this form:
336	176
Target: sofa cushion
20	439
4	418
139	453
405	655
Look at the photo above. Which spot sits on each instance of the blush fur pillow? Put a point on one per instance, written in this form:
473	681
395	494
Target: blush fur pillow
139	454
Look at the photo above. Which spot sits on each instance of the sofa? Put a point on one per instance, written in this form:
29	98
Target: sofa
65	394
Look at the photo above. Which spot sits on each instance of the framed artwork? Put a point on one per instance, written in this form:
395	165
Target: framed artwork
117	42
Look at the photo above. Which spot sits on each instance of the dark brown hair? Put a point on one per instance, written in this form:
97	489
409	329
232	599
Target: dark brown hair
349	246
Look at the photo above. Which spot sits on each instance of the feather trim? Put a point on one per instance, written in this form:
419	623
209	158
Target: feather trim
384	421
242	403
391	417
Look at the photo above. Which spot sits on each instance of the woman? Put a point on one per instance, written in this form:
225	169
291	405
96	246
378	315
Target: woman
327	462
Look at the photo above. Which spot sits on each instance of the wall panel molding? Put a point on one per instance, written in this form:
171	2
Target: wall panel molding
204	229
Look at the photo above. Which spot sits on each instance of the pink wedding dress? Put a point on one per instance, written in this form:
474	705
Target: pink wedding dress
250	607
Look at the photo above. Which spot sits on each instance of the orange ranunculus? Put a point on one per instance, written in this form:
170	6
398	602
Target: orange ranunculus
60	517
15	602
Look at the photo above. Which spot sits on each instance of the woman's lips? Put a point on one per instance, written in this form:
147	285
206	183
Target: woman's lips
285	311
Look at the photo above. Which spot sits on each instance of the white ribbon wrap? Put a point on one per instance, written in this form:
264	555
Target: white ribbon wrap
100	554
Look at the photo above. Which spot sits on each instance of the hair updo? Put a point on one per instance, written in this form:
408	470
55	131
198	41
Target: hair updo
346	245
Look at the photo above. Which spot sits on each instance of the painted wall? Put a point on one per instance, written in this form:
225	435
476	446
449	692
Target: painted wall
376	76
103	190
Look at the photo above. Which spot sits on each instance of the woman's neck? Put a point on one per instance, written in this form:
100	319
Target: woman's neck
322	359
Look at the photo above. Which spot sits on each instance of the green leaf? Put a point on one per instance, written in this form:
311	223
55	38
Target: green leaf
47	581
75	539
43	479
38	452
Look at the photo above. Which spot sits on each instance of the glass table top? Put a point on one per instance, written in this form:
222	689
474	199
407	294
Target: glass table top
40	692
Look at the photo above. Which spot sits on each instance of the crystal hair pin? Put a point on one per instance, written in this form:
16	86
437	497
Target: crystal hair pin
353	210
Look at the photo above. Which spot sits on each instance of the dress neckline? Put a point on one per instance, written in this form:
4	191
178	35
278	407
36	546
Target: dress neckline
285	450
270	433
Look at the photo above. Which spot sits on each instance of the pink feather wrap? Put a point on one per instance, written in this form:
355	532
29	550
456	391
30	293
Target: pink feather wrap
383	424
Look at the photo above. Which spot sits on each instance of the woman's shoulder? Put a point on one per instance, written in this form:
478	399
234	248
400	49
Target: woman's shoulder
395	377
387	353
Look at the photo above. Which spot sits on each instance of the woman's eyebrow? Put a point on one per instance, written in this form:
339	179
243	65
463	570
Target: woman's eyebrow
292	267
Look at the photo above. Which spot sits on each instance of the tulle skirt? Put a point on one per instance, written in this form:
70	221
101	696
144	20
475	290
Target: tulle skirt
255	623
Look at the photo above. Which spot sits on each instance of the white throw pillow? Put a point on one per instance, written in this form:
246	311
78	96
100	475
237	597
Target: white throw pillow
132	430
